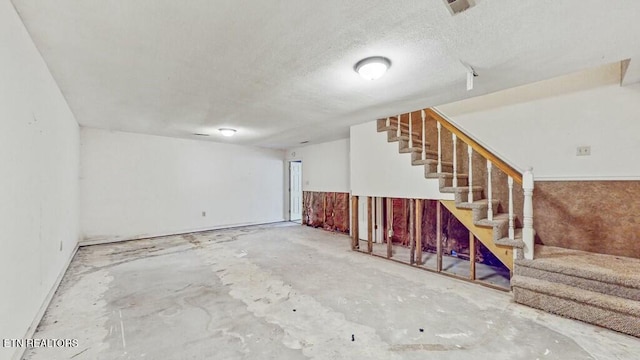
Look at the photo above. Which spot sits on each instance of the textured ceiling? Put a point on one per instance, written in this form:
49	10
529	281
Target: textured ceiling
281	72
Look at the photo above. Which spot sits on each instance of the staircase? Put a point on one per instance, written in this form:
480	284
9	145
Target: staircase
599	289
498	231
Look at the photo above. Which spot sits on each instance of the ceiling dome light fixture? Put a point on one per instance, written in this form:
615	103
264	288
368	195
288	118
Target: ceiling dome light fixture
372	68
227	132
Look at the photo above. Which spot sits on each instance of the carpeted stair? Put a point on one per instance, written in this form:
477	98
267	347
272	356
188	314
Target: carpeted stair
479	207
599	289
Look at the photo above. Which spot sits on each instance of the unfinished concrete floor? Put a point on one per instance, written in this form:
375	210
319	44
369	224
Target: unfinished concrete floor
291	292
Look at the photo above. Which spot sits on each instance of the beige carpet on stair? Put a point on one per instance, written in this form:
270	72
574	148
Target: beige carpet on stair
608	268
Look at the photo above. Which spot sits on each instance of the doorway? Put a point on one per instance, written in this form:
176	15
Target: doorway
295	191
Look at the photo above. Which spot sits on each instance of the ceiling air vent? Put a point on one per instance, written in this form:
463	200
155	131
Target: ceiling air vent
458	6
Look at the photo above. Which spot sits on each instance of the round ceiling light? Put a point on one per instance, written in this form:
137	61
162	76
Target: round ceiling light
227	132
372	68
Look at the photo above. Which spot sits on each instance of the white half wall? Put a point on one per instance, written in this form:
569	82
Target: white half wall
542	124
378	169
136	186
325	166
39	157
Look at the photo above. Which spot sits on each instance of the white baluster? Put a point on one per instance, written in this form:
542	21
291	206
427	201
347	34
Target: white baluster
527	222
410	132
490	203
512	230
424	137
399	132
455	160
439	147
388	123
470	153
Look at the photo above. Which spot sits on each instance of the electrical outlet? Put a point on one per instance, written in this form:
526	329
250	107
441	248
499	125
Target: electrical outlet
583	151
204	213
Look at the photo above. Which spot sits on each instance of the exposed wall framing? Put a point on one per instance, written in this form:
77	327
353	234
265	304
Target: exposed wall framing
328	210
424	233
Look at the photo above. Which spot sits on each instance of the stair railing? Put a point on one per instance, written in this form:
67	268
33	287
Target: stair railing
525	179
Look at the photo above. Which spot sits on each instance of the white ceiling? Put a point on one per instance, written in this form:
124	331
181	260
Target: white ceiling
281	72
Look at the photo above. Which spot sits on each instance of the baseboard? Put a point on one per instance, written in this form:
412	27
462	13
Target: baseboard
17	355
90	242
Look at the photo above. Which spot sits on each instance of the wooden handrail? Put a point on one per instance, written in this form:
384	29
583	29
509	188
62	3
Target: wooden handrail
506	168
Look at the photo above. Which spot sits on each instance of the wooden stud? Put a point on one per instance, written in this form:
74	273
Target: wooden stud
404	218
324	209
439	237
472	255
412	235
419	205
383	218
369	225
389	233
354	223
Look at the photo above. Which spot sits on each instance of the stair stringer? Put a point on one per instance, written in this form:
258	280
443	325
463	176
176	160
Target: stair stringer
472	215
486	235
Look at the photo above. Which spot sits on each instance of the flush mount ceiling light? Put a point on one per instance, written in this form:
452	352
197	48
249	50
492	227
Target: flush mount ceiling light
227	132
372	68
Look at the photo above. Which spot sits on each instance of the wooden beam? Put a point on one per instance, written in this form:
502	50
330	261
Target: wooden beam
354	223
506	168
389	233
472	255
419	205
324	208
439	237
384	217
412	235
369	225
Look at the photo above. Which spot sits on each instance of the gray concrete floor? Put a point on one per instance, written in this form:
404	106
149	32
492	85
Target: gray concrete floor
292	292
492	275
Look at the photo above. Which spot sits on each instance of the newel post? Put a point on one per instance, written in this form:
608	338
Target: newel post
527	230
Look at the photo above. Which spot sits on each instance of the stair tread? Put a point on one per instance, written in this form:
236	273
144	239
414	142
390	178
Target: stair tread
516	242
446	175
410	149
605	301
451	189
612	269
497	220
434	161
477	204
406	137
579	282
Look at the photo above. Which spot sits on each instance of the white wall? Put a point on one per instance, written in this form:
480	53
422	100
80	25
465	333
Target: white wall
542	124
325	166
136	186
378	169
39	156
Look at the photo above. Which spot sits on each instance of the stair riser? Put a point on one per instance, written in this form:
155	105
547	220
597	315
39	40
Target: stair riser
433	168
448	182
582	283
591	314
462	196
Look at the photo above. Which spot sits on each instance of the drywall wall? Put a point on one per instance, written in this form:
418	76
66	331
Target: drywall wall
378	169
541	125
136	186
39	153
325	166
